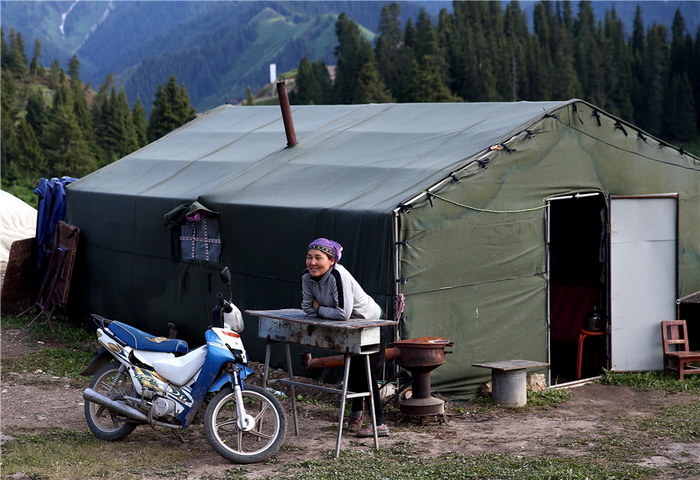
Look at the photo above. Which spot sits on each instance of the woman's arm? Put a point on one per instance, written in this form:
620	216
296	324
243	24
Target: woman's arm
342	297
307	296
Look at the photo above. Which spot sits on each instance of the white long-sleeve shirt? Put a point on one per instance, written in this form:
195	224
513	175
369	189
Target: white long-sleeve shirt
339	295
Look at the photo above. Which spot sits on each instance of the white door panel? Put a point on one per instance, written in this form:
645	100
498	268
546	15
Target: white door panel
643	258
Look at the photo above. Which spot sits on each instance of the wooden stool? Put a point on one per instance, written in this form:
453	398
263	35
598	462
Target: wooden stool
581	338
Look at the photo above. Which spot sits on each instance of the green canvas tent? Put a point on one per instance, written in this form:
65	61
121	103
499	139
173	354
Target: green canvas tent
495	225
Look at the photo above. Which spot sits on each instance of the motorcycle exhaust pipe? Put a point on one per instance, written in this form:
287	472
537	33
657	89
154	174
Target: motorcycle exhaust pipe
95	397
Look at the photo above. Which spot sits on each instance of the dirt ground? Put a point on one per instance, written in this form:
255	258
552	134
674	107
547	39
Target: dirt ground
569	429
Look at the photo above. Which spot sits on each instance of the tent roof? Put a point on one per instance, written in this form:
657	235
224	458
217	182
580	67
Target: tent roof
376	156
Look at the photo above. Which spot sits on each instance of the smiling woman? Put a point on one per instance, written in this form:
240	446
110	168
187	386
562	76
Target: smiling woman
330	291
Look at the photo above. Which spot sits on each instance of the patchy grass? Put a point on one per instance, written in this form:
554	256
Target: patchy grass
55	361
66	350
681	422
71	455
653	380
401	462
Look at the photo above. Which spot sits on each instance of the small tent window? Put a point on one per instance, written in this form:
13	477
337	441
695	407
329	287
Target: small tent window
197	230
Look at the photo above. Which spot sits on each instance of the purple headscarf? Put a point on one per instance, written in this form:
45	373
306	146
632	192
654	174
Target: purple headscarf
334	249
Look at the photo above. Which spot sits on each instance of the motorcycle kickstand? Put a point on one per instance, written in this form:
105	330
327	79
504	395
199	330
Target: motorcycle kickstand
178	434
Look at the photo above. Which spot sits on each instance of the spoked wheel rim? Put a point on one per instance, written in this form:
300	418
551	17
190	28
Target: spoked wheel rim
247	446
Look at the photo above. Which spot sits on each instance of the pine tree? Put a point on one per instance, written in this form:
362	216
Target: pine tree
587	54
426	37
171	109
29	163
541	79
352	53
371	87
56	75
394	61
8	113
37	113
117	135
694	76
82	111
428	82
679	110
69	152
35	66
518	41
17	56
323	82
636	49
477	81
313	84
565	83
4	50
617	68
654	74
138	114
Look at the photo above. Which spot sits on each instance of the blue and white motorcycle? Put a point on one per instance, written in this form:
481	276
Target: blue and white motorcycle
141	378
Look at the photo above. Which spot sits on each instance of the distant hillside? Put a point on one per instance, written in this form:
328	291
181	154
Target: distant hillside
217	49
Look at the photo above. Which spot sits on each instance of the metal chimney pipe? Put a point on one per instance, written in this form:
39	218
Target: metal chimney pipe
286	114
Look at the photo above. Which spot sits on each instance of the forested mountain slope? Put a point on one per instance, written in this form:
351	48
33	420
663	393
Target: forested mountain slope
216	48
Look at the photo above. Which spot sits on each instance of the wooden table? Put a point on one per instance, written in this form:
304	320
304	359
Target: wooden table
352	338
509	380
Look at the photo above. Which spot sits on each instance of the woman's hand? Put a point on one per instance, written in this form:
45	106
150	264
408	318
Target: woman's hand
315	304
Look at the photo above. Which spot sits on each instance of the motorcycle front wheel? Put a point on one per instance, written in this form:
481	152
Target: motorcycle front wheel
236	445
103	423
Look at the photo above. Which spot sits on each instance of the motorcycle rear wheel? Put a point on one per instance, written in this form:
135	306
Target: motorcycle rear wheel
103	423
238	446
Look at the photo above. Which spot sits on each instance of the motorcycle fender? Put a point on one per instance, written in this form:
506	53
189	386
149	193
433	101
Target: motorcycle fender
225	378
221	382
103	357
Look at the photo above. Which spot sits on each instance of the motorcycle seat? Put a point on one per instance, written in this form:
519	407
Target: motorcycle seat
141	340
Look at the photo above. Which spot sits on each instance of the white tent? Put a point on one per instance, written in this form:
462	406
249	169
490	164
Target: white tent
17	221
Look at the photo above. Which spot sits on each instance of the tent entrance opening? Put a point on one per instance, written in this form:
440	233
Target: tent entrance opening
577	259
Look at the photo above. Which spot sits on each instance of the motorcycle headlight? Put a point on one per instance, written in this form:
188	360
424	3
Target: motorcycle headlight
233	319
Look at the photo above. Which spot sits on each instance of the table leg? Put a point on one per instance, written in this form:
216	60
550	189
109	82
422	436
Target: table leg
343	397
266	369
294	395
370	387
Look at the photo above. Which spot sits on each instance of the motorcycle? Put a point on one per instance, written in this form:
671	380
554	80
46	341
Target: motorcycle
141	378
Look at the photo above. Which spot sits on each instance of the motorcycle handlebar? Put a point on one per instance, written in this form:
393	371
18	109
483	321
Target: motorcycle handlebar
224	304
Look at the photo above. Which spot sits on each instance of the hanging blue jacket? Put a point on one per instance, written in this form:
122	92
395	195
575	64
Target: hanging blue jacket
52	209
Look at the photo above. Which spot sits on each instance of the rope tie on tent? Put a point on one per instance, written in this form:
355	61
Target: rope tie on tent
485	210
621	127
529	135
596	115
642	138
502	146
574	109
454	178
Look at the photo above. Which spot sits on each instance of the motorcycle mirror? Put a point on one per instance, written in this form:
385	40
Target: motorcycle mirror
226	275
